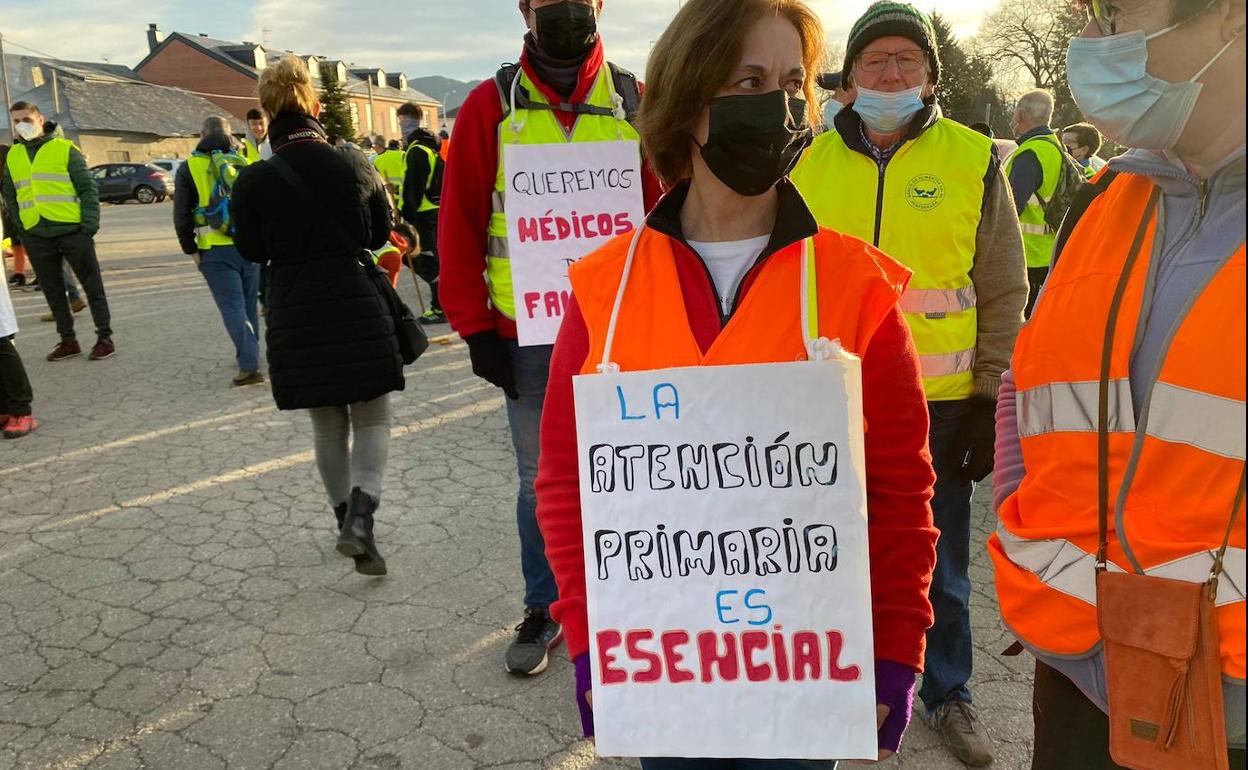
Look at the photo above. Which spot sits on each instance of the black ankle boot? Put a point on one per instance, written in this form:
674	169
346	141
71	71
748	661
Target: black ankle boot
340	513
356	539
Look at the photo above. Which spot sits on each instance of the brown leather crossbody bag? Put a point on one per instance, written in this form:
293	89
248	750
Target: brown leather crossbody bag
1162	660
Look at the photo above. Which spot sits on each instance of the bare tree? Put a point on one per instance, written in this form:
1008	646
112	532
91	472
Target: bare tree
1028	41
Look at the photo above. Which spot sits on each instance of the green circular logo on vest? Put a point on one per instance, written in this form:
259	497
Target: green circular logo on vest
925	192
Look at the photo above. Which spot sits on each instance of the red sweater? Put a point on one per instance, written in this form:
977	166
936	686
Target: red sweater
899	468
467	187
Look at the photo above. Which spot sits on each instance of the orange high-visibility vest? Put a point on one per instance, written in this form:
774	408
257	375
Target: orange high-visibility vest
857	287
1173	472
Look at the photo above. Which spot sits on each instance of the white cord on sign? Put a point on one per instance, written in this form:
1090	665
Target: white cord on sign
607	366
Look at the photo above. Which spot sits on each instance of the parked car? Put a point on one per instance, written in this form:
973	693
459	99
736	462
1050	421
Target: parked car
169	164
143	182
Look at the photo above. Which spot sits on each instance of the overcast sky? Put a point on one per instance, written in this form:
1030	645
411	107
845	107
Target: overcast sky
464	39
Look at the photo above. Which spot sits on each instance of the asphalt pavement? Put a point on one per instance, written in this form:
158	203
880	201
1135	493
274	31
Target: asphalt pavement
170	597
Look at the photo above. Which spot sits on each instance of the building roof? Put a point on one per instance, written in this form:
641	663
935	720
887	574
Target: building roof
101	97
240	56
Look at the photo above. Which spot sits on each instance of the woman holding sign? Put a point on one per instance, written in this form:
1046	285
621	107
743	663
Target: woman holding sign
731	270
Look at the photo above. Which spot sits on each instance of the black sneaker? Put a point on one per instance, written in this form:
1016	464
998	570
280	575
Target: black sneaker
432	317
528	654
32	285
17	279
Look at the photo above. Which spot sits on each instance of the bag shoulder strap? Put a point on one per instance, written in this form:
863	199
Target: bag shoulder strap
1226	539
505	79
303	191
628	88
1107	353
1078	207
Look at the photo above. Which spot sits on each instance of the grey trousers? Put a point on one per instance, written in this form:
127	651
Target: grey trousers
346	461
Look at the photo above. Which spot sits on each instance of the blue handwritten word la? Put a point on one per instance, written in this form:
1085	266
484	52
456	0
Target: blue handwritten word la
663	397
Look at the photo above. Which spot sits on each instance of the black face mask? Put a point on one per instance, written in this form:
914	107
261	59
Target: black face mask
566	30
755	140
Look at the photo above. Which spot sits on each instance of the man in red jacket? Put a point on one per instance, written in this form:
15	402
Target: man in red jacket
562	74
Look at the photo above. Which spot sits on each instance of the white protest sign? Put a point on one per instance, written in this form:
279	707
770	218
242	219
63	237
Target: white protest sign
726	561
563	201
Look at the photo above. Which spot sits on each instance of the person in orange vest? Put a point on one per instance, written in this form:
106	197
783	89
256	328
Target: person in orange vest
444	149
716	273
1124	406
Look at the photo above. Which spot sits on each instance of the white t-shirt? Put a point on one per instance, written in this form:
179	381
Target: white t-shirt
728	262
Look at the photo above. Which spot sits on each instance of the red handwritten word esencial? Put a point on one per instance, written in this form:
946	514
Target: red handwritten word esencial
574	225
643	656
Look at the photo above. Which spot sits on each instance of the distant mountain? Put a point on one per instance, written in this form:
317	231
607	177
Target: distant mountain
453	91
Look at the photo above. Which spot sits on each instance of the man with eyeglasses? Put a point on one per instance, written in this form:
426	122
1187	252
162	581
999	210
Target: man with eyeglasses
930	193
1134	363
562	92
1034	171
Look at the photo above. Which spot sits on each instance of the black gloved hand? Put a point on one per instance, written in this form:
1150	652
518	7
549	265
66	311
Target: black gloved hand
977	437
491	361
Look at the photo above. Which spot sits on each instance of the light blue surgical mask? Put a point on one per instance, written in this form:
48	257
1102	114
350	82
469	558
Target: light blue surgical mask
1110	82
830	111
885	112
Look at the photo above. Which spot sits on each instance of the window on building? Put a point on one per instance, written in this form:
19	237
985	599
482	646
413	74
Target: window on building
355	117
118	156
394	120
36	75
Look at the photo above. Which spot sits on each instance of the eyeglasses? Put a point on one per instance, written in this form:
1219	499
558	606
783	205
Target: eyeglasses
1103	13
907	61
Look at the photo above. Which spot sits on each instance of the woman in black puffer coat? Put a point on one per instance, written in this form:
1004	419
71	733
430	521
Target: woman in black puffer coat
330	337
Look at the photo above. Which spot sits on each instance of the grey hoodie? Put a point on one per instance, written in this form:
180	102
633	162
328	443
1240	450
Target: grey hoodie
1200	224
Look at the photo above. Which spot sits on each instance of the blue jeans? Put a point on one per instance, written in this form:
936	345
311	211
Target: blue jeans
531	366
948	665
679	763
235	285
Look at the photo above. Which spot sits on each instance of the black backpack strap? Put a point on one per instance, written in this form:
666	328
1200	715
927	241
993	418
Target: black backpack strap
1078	207
625	84
628	89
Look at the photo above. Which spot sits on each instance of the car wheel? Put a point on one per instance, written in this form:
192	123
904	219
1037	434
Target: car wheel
144	194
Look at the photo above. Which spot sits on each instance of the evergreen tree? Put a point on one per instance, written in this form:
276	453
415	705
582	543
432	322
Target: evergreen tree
335	111
965	92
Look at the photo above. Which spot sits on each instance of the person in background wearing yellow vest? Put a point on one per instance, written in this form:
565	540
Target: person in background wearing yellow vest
1161	239
1083	142
929	192
16	419
256	142
58	205
562	64
420	192
233	281
1034	170
389	163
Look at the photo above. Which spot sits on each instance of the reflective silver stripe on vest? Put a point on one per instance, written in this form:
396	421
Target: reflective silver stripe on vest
497	247
1030	229
938	300
57	199
1064	566
496	202
20	183
25	204
46	176
945	364
1183	416
1072	406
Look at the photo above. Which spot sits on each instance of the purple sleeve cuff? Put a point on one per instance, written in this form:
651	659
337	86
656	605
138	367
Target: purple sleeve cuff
1008	470
583	684
894	687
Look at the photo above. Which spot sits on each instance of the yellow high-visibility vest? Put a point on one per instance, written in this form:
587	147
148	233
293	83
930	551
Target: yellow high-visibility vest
1038	239
540	126
432	155
44	187
923	209
204	176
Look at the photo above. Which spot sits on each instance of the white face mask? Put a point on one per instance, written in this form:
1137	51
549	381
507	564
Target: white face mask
1109	79
885	112
27	130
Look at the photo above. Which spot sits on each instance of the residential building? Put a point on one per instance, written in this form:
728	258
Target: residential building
112	114
226	73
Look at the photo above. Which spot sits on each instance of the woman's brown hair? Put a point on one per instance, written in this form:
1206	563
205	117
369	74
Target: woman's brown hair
286	86
693	61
